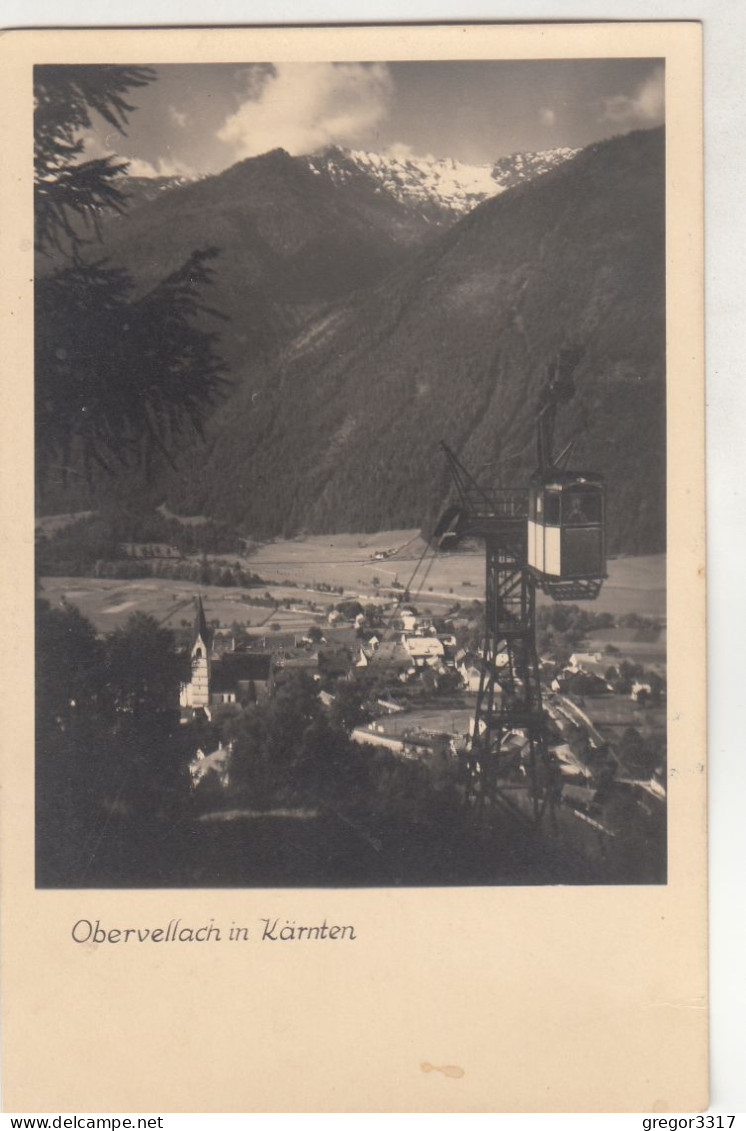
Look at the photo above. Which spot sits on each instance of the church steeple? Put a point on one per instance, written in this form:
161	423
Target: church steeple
197	692
200	625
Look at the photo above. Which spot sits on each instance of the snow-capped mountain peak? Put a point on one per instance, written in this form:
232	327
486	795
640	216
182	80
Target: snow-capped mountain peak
437	185
518	167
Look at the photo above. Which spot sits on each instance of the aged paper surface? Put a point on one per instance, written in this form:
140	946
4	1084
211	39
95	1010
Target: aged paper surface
471	998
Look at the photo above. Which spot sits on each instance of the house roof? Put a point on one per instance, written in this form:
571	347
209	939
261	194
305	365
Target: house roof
339	661
238	667
223	635
423	646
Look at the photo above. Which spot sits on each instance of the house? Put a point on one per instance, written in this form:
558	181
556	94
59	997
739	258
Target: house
591	663
223	640
425	651
448	640
406	621
390	706
365	735
218	762
304	661
410	746
335	663
240	677
471	676
579	683
220	674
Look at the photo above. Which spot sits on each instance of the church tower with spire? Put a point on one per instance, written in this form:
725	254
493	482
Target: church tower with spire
197	692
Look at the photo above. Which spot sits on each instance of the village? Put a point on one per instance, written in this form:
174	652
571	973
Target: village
396	664
407	681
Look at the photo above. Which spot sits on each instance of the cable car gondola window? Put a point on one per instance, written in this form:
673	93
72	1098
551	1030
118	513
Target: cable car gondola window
551	508
581	508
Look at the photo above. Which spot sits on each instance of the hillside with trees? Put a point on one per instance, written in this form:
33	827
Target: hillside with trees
341	431
336	425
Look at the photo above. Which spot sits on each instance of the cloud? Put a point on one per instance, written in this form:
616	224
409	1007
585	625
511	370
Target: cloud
95	147
163	167
178	117
547	116
251	78
643	108
401	151
304	107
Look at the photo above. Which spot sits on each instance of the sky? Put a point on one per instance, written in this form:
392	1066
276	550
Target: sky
202	118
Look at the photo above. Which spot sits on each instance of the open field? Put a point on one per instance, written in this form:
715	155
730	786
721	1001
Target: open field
108	603
437	720
49	524
634	584
615	713
649	654
347	560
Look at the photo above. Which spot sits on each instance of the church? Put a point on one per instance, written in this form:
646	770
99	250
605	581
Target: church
220	674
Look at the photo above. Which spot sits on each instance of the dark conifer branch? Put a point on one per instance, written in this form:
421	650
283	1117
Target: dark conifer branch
120	378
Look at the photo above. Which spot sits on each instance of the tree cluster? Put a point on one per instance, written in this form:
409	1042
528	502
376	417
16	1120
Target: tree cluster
123	544
290	751
121	377
111	760
561	628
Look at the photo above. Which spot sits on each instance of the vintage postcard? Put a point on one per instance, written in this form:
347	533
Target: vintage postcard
353	510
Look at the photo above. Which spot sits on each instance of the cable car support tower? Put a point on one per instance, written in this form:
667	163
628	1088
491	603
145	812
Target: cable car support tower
508	761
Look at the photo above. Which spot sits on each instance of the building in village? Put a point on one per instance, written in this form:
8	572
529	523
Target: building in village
407	619
471	676
425	651
220	674
591	663
218	763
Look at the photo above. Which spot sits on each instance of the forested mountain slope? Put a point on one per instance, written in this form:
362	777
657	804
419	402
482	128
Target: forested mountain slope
341	431
358	341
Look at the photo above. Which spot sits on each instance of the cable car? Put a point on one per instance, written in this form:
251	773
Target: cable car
566	542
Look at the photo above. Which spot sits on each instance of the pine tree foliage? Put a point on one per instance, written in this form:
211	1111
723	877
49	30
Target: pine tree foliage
121	377
67	189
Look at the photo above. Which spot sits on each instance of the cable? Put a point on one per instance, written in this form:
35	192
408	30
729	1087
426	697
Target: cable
427	573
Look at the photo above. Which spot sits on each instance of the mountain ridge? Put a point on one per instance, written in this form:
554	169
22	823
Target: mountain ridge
455	344
336	427
443	187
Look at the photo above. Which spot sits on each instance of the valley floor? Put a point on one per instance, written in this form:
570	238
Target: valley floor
302	571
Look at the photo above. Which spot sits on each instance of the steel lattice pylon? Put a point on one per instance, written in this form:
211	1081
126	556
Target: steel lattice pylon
508	750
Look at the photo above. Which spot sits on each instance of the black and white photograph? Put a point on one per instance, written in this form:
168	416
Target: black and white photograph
350	458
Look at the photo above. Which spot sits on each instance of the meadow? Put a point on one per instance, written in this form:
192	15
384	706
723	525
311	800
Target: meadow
435	582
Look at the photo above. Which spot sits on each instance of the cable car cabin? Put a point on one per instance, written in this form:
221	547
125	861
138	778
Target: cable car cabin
566	542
